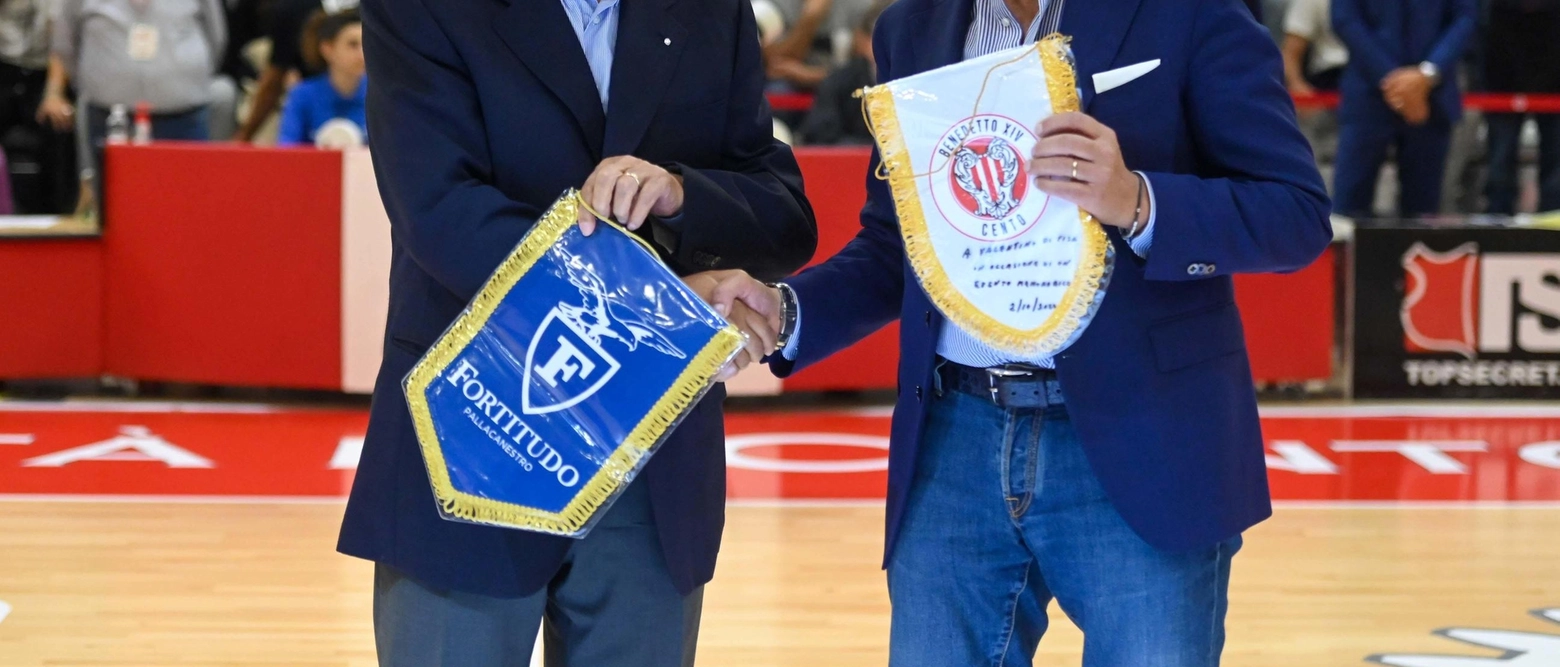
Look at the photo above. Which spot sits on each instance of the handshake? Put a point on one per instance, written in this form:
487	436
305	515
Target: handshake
751	306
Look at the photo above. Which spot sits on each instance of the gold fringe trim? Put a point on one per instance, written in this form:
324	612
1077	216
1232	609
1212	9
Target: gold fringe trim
689	386
1088	279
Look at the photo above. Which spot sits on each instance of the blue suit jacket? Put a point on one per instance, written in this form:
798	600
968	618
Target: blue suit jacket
1383	35
1158	386
483	112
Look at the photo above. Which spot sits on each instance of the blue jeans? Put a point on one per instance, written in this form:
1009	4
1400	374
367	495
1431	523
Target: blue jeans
1004	515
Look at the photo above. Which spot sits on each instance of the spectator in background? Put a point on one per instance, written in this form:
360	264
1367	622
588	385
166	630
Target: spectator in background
287	20
818	38
1399	91
796	58
38	147
162	52
336	40
1314	58
836	116
1522	55
245	24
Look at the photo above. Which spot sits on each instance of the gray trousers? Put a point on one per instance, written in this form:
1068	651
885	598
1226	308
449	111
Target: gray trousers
613	603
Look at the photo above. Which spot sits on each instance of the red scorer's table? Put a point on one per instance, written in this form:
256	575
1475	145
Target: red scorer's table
238	266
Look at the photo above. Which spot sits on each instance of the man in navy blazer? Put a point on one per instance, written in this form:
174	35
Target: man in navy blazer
483	112
1117	476
1400	92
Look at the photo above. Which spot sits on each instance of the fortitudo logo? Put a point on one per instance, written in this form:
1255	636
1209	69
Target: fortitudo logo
1469	303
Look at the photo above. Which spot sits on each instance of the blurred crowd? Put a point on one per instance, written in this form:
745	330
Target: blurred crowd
1399	142
76	74
1388	124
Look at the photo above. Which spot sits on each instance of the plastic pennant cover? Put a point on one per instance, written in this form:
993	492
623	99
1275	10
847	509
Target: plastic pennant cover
1022	271
540	404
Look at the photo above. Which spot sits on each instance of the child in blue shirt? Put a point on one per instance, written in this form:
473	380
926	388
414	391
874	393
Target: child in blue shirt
336	94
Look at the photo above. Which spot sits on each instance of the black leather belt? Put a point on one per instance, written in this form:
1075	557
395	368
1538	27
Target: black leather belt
1014	386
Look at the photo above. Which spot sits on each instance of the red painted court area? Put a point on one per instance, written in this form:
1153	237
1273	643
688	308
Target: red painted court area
1351	455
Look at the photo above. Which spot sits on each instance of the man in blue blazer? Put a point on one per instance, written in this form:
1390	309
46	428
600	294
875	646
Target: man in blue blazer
1117	476
1400	92
483	112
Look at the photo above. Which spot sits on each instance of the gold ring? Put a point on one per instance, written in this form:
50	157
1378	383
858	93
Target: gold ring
1075	170
637	183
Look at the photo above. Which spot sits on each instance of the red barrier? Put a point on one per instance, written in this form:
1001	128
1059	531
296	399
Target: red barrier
1486	102
836	186
224	265
1290	321
51	308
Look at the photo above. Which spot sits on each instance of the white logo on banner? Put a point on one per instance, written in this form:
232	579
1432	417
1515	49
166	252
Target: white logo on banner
570	340
134	443
1523	649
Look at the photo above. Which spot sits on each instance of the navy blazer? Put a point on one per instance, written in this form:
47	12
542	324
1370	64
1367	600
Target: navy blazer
1158	386
483	112
1383	35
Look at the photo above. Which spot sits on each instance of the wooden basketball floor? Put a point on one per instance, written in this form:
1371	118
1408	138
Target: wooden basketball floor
116	554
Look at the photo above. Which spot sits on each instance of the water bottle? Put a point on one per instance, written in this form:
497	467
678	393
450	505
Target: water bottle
143	124
118	125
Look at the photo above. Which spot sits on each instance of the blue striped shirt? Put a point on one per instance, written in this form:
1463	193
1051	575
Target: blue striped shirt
994	28
596	24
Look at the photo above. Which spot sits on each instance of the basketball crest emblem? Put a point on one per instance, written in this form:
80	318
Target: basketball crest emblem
985	192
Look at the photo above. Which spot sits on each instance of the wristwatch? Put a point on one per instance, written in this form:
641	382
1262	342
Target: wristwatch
1431	72
788	313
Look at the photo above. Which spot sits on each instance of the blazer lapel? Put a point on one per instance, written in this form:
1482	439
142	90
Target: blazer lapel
1098	28
538	32
940	36
649	42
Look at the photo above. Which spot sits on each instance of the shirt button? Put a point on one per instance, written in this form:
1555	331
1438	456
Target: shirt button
1006	23
917	393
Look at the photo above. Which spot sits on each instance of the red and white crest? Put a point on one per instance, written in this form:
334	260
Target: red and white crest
1440	299
989	178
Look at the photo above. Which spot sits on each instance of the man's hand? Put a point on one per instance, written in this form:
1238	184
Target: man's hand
630	190
56	111
1407	91
738	288
762	330
1078	159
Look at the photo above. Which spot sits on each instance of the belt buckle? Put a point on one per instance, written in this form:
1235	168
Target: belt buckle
1003	372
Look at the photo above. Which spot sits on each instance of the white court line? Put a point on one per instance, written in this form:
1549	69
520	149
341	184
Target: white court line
1446	411
1442	410
1411	505
1454	410
768	502
147	407
16	438
131	498
804	502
